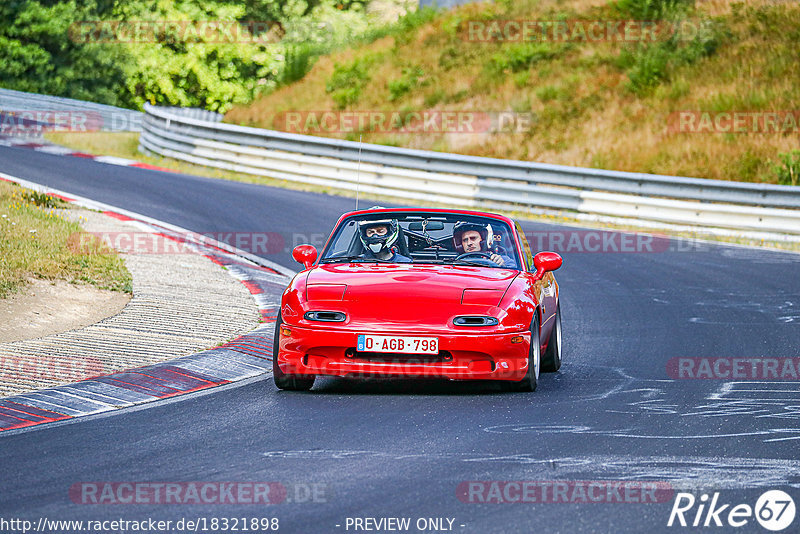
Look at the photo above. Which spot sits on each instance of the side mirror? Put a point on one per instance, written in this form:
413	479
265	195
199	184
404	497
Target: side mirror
305	254
545	262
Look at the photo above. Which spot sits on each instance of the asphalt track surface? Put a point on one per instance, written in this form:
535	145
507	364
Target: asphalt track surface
399	449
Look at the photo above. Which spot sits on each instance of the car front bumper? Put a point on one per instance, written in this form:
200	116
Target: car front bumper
467	356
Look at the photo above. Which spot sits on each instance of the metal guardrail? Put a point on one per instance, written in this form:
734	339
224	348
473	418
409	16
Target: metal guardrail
102	117
199	137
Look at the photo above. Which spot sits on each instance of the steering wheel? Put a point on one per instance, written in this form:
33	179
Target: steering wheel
477	257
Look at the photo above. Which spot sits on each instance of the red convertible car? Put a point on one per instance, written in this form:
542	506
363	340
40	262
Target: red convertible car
405	292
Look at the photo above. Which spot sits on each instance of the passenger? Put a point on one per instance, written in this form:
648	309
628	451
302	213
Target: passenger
379	239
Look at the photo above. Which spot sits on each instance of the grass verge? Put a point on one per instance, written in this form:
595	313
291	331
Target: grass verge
35	242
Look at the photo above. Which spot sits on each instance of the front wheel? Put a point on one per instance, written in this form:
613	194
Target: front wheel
282	380
551	362
534	360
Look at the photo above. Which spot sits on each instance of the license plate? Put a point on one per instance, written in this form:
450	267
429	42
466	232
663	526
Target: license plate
401	344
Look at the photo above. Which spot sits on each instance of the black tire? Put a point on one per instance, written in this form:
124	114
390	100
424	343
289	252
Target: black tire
551	361
282	380
534	362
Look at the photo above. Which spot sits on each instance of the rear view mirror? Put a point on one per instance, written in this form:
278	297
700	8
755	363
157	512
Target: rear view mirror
416	226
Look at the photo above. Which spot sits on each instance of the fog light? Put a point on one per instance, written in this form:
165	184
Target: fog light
517	339
286	331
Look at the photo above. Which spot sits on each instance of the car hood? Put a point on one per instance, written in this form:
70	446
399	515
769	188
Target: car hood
402	294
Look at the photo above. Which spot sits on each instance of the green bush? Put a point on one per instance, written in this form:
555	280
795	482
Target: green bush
450	57
411	79
521	79
348	80
298	60
648	65
517	57
402	29
652	9
405	27
435	97
548	92
788	170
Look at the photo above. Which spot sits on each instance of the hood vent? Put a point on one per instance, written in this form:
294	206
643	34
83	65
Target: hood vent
325	316
475	320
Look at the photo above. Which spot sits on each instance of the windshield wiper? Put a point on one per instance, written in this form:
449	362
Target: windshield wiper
371	260
339	259
469	262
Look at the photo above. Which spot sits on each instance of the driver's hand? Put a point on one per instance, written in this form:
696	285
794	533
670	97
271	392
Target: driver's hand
497	259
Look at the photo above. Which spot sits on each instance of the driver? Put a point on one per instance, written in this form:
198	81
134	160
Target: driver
474	237
378	238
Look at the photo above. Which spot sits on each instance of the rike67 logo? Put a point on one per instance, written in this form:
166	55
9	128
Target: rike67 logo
774	510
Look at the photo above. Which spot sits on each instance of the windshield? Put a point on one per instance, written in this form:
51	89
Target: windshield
423	238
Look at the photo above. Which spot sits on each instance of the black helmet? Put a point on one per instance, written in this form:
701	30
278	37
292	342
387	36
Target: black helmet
465	226
378	243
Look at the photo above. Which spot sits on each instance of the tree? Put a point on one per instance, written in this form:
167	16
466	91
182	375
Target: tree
37	54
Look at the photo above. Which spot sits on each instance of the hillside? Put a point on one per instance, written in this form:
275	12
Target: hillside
600	103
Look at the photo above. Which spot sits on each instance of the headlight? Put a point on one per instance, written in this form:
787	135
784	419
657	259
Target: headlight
325	291
485	297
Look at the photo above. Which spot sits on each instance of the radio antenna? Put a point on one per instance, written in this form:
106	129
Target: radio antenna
358	170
